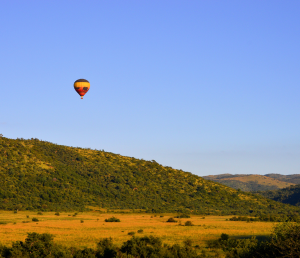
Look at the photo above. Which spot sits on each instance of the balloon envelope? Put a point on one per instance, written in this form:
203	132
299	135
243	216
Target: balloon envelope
82	86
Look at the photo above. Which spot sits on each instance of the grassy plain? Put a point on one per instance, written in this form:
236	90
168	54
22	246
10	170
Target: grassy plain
86	229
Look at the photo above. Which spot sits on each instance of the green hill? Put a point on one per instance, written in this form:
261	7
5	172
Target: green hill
289	195
39	175
252	183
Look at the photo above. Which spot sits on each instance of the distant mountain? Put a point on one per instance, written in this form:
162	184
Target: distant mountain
289	195
250	183
294	179
39	175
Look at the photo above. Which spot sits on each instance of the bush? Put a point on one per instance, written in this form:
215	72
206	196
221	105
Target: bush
39	213
224	237
35	219
140	231
284	242
106	248
112	219
56	213
36	245
182	216
131	233
171	220
188	223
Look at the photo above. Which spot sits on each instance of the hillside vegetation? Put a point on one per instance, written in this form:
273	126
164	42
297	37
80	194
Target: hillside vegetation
39	175
293	179
290	195
251	183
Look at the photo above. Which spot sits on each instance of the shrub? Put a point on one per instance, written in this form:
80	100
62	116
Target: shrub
140	231
112	219
183	216
56	213
39	213
106	248
188	223
224	237
36	245
284	242
234	247
131	233
171	220
35	219
81	221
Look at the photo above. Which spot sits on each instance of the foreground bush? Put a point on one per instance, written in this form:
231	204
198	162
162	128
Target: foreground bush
284	242
42	246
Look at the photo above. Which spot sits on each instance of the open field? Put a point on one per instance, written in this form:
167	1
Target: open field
70	231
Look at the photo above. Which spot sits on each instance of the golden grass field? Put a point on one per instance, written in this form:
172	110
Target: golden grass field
70	231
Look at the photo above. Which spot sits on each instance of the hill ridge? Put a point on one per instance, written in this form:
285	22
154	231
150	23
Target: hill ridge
255	182
39	175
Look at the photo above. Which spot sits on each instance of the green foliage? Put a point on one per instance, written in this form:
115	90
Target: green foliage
171	220
35	219
183	216
106	248
36	245
224	237
39	175
188	223
271	218
289	195
285	242
233	247
112	219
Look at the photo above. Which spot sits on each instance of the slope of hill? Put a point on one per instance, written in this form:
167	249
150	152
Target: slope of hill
289	195
294	179
250	183
41	175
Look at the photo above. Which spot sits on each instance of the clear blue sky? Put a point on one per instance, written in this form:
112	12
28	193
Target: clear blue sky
208	87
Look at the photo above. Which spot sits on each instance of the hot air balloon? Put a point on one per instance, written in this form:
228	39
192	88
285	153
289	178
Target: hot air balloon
81	86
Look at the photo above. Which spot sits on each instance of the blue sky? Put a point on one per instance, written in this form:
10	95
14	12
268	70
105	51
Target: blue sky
208	87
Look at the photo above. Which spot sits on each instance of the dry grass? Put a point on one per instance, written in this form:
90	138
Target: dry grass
70	231
262	180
